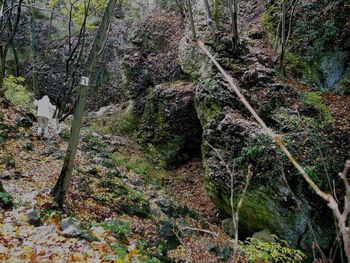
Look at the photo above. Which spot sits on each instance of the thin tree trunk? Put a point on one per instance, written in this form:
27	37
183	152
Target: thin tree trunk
35	82
233	7
210	18
283	35
216	14
294	6
60	190
15	56
5	47
190	14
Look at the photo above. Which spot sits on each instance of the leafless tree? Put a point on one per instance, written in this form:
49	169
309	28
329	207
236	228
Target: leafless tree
8	29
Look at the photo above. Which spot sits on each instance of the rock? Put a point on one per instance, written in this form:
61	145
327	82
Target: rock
59	155
223	253
49	150
152	57
170	130
168	239
172	209
258	75
333	68
72	227
265	235
34	218
228	227
257	35
25	122
27	146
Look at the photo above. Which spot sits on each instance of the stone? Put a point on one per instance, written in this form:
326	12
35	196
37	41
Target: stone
27	146
333	68
258	75
72	227
34	218
170	129
228	226
265	235
25	122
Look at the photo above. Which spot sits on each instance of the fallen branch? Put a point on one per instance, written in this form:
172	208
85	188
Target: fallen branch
200	230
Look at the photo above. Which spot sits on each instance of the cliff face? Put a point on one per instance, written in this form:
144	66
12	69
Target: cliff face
278	199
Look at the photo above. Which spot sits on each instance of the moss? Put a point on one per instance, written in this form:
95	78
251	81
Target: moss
123	121
169	136
5	199
93	143
208	111
139	164
216	13
255	215
121	197
314	100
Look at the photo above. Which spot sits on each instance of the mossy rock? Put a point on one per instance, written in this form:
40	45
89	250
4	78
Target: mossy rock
119	196
170	130
273	200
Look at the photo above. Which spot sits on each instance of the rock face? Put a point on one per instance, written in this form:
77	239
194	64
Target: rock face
151	58
277	200
333	68
162	101
169	126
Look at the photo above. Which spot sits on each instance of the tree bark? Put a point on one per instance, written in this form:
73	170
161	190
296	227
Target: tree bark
4	47
216	14
61	188
233	7
210	18
190	14
283	35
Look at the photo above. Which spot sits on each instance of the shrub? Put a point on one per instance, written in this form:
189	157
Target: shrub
257	251
17	93
314	100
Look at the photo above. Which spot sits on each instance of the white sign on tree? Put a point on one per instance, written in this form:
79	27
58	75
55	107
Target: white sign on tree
84	81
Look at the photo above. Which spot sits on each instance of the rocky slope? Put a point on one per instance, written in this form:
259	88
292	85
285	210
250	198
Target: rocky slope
278	200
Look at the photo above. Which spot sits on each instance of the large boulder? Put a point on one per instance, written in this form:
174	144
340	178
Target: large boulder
170	128
151	57
277	199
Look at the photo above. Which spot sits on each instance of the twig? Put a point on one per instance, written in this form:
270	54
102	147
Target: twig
201	230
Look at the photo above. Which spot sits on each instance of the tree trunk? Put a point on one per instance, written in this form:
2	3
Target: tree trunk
210	18
2	71
190	14
63	182
5	46
216	14
283	35
35	84
233	7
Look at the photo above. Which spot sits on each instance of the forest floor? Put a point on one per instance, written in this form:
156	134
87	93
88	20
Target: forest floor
33	232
